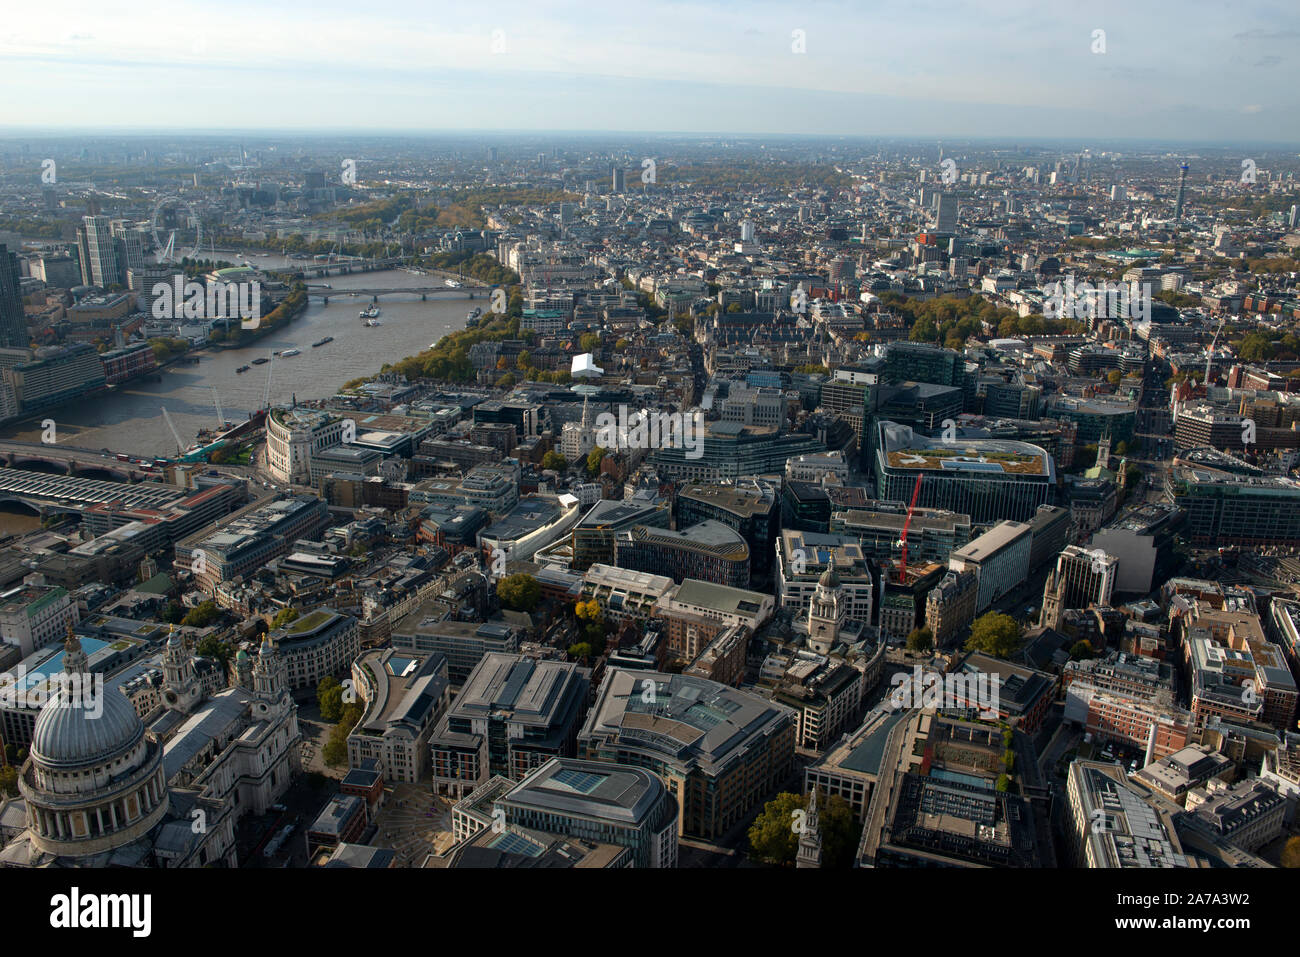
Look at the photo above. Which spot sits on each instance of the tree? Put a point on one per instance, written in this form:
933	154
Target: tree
335	751
1121	448
735	307
1291	852
519	592
1255	347
593	630
214	647
1080	650
920	640
1114	376
994	633
839	833
329	695
173	613
202	615
1004	782
9	780
772	837
589	341
594	458
284	616
554	460
506	381
621	345
579	650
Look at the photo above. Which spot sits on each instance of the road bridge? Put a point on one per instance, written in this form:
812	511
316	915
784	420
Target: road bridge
424	292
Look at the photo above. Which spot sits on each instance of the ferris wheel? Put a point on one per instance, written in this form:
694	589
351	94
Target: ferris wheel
177	229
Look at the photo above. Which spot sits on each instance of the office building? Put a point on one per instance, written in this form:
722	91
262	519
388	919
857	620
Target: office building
987	479
1143	542
709	551
404	696
319	644
951	605
802	557
696	612
598	802
1049	530
1230	509
33	616
719	769
1114	823
999	558
751	508
512	716
945	218
594	535
933	535
1237	674
729	451
1081	578
13	323
623	594
101	264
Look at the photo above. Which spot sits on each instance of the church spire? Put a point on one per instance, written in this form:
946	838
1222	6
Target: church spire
810	841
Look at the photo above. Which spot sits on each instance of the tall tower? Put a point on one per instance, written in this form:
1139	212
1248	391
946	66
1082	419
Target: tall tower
810	841
268	672
181	690
13	324
1103	452
827	611
1182	192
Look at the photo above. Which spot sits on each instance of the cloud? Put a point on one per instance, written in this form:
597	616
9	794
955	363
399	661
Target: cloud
1258	34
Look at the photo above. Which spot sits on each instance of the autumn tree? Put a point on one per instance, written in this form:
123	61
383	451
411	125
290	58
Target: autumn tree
994	633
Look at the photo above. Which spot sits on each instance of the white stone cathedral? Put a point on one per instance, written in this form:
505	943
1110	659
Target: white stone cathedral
102	788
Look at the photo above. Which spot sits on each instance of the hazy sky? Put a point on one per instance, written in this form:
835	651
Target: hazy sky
1198	70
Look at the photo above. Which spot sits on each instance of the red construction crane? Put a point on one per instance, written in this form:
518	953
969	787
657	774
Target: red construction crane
902	567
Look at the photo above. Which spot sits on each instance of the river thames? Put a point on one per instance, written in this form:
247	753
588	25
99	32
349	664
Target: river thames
130	419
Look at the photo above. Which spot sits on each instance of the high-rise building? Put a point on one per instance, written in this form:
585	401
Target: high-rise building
619	179
13	325
1081	578
1182	192
946	213
130	245
100	264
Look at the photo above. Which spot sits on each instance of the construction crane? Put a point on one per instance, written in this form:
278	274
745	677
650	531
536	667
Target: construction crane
266	393
180	446
216	400
902	567
1209	355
